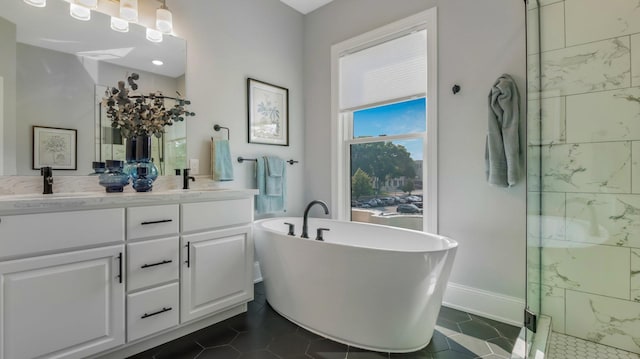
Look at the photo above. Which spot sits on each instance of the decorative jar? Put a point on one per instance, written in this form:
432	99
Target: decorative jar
114	180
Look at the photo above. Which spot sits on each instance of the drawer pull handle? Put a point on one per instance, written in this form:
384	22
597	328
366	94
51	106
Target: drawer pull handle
147	315
156	264
156	222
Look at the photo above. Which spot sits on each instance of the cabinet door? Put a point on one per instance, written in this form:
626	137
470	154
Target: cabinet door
68	305
216	271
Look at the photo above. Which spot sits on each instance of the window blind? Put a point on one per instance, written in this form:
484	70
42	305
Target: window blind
391	70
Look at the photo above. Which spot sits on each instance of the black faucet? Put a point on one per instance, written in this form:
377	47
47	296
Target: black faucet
186	178
47	180
306	214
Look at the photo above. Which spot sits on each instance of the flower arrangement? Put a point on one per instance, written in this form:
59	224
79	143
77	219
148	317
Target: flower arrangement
142	115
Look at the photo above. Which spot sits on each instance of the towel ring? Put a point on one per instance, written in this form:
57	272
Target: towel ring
218	128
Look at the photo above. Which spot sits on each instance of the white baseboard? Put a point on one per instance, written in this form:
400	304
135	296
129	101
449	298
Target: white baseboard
486	304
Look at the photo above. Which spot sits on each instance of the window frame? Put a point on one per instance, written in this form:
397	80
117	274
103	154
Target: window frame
341	136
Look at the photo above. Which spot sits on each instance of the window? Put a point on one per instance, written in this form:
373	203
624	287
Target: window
384	125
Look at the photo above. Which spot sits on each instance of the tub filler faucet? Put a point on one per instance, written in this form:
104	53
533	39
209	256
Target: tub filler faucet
306	215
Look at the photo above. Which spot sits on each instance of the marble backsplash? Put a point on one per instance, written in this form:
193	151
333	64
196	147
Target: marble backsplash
16	185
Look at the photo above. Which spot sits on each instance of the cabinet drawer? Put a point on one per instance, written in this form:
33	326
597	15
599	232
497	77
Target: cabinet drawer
152	221
151	311
207	215
152	262
34	233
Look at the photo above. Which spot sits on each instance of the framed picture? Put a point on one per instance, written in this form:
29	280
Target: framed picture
268	113
54	147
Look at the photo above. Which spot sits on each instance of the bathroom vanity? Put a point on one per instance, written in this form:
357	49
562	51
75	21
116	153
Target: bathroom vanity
109	275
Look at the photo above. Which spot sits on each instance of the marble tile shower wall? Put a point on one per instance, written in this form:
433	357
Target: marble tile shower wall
585	164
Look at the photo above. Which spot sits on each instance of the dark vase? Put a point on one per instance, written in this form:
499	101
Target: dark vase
139	163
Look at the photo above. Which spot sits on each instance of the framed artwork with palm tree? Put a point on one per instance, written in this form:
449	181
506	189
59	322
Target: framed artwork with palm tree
268	108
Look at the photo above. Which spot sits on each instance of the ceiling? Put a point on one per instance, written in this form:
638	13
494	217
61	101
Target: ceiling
306	6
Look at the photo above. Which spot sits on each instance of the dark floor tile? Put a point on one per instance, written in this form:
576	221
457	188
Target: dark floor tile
289	345
447	327
222	352
420	354
183	348
438	343
508	331
251	341
144	355
259	288
215	335
308	335
501	345
357	353
465	344
479	330
327	349
260	354
451	354
453	315
491	322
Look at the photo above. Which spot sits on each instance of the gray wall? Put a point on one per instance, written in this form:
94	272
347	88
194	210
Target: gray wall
477	42
228	41
8	73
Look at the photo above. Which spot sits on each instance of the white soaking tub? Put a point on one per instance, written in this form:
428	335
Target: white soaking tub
369	286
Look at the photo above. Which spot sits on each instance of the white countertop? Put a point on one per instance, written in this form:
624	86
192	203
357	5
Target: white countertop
72	201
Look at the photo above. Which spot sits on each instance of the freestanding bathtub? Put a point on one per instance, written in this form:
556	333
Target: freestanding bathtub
368	286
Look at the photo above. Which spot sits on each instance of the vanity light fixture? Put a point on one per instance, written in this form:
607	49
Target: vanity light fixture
36	3
79	12
129	10
154	35
164	19
118	24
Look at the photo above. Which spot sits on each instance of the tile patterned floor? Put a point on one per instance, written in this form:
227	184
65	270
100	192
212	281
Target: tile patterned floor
567	347
261	333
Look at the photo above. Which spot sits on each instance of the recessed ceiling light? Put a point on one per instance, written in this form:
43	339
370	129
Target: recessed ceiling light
157	62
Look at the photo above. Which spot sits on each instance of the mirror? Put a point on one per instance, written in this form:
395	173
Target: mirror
54	70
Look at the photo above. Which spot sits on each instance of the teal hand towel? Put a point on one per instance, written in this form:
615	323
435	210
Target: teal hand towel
221	158
274	176
263	202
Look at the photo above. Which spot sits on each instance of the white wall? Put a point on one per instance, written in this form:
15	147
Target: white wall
228	41
8	73
478	41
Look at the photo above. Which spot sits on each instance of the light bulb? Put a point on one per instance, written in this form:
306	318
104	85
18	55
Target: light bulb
154	35
164	22
36	3
157	62
79	12
129	10
118	24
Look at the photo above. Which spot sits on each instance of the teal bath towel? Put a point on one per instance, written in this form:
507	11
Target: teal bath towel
221	161
275	169
502	150
266	203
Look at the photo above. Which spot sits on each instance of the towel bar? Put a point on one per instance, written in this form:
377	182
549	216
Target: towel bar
218	128
242	159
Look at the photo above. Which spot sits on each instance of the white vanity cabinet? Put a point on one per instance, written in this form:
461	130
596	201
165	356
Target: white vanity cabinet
68	305
111	276
217	247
